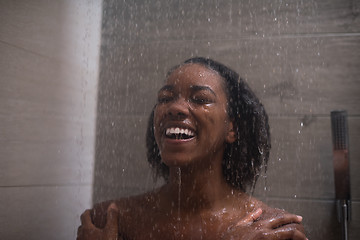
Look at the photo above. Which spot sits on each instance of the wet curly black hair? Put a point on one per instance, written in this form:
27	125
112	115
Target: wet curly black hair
243	159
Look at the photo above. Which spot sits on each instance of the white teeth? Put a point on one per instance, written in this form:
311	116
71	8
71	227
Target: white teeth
177	130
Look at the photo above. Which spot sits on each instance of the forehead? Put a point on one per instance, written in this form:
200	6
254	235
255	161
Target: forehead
195	74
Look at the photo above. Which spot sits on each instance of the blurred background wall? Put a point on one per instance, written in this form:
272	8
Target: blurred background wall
300	57
49	53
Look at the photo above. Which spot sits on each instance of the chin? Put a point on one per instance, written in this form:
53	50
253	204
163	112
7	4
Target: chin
177	161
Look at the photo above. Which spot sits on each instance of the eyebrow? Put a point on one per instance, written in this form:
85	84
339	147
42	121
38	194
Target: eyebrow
166	88
192	87
201	88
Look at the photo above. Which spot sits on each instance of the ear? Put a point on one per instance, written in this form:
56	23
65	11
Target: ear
231	134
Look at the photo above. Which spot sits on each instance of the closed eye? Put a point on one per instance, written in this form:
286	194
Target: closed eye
202	94
165	94
165	99
201	100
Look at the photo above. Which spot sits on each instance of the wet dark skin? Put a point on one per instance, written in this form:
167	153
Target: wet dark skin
196	203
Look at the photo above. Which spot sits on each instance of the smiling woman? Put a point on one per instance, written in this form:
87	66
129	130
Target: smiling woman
208	136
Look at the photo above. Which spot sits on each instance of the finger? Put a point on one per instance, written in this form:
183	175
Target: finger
284	219
112	220
251	217
289	233
86	219
298	226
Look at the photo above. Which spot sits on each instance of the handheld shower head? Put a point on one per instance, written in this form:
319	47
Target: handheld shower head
340	137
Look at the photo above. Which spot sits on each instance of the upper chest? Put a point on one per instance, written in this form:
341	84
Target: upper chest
157	225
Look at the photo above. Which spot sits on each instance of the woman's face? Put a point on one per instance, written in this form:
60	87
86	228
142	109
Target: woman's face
191	123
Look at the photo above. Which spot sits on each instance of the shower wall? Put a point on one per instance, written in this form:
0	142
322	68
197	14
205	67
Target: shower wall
49	53
300	57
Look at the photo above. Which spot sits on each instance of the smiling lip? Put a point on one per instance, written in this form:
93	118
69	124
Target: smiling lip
179	133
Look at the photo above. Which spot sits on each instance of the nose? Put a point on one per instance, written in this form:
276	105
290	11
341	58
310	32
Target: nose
178	109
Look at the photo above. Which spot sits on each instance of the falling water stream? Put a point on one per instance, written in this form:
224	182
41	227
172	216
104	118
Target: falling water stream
179	194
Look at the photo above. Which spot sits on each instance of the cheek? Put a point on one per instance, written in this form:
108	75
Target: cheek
218	123
215	116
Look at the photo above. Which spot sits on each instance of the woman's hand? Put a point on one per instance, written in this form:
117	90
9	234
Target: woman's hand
88	231
284	226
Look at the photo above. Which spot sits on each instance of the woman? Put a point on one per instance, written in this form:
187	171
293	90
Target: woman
208	136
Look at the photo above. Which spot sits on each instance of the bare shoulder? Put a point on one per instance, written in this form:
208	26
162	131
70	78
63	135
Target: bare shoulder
269	212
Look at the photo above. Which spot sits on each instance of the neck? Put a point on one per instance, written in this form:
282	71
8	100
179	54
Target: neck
198	187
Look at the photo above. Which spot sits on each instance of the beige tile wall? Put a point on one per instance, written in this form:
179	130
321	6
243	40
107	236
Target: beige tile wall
49	52
300	57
